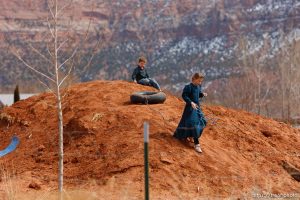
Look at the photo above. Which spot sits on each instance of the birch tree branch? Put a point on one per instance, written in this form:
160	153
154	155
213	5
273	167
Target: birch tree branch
40	54
50	29
48	69
91	58
32	68
47	87
50	9
65	6
68	74
62	44
74	52
49	51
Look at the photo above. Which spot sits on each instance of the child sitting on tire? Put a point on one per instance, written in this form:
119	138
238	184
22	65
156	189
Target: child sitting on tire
141	76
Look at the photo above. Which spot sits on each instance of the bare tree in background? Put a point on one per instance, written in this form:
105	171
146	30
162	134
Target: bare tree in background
259	81
256	76
54	79
239	91
58	73
282	63
296	78
289	70
251	90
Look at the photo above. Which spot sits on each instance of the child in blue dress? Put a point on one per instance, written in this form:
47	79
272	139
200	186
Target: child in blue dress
192	121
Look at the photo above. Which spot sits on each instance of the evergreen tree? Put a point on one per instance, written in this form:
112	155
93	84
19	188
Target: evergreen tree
16	94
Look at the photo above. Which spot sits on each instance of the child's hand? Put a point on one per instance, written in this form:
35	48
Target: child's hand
194	106
204	94
134	81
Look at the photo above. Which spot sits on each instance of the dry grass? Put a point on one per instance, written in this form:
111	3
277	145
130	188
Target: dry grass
7	118
68	195
9	187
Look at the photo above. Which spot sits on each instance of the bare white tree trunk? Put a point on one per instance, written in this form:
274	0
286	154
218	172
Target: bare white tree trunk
57	81
59	108
56	75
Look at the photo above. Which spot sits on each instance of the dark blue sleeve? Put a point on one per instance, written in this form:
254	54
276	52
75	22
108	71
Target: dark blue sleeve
146	73
135	72
186	93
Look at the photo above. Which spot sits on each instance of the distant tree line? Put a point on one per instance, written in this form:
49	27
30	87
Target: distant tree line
267	86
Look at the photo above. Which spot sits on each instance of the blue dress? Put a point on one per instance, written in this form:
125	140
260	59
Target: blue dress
192	121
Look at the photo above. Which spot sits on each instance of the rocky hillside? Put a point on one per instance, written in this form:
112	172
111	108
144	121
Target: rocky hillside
243	154
178	37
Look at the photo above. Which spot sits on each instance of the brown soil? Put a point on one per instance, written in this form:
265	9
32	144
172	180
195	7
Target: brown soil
243	153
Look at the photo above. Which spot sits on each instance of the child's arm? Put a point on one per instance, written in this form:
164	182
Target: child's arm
186	93
146	73
202	94
135	71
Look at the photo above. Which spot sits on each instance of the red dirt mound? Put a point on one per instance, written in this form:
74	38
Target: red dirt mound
243	154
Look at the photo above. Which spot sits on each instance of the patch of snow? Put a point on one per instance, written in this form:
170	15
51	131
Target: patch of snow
8	99
259	7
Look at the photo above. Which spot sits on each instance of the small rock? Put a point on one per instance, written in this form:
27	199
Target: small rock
41	148
97	117
39	153
164	158
34	185
25	123
39	160
267	133
46	179
75	160
292	170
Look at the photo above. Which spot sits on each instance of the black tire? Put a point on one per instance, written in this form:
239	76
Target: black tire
148	97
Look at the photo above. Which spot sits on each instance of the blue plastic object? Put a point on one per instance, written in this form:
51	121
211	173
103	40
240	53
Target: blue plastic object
11	147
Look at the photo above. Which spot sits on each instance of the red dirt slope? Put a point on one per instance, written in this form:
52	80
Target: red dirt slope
243	153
